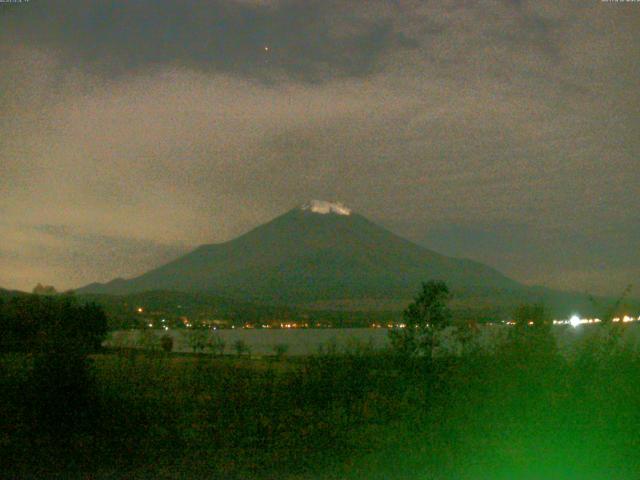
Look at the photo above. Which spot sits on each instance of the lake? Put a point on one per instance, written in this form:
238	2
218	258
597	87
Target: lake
310	341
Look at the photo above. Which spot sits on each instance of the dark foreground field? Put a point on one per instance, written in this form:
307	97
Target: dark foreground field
520	413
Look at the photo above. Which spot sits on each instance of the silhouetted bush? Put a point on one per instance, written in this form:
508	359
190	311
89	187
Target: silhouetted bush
241	348
280	350
197	339
216	345
34	323
166	343
57	333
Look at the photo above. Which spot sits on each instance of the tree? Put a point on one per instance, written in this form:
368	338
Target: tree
59	333
166	343
216	345
531	334
531	317
241	347
148	340
40	289
280	350
427	315
597	349
34	323
610	331
95	325
197	340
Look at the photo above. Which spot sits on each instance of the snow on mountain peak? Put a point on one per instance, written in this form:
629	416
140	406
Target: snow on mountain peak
323	207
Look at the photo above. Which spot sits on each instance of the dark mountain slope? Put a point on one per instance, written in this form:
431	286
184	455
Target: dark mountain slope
305	256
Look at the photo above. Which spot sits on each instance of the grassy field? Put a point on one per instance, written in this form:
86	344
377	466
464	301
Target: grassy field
523	412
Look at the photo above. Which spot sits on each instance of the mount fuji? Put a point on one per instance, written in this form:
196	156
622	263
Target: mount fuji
319	252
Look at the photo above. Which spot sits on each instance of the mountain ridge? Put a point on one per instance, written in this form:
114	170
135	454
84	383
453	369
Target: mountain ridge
320	251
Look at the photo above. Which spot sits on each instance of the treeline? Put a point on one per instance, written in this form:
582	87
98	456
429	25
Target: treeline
42	324
122	311
46	377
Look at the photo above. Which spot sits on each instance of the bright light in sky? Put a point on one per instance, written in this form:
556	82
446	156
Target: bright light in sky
574	321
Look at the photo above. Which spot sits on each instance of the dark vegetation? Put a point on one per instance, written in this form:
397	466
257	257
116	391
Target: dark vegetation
39	324
202	307
520	411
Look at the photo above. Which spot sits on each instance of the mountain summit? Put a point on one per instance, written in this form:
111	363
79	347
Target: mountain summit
319	252
323	207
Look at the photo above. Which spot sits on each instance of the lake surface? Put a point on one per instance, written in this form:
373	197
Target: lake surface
264	341
310	341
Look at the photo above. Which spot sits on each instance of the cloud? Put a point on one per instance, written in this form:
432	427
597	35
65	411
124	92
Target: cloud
30	253
227	36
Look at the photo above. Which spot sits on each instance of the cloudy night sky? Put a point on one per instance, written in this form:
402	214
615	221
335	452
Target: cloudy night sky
505	131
